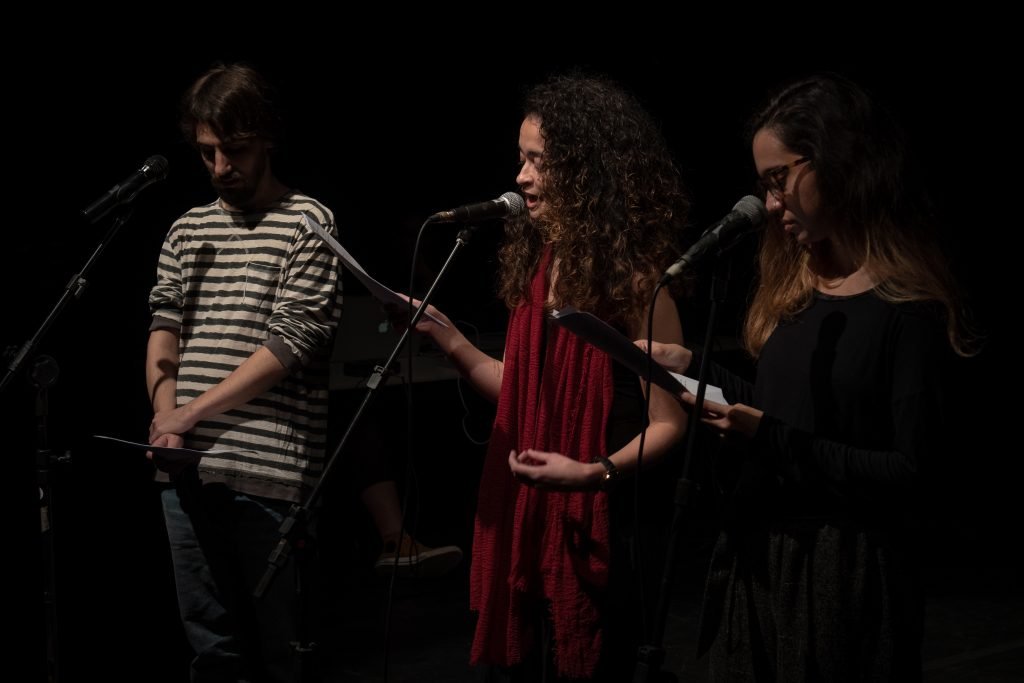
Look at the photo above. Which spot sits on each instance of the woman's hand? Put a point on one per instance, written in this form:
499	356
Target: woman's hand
399	316
735	419
483	371
544	470
672	357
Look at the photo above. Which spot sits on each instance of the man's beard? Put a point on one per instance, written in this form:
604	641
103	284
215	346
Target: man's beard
238	194
240	190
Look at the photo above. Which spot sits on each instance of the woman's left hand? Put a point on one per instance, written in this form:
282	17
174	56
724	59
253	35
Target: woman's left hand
545	470
727	419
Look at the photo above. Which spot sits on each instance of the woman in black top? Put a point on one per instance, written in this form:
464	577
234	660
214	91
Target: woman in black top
815	576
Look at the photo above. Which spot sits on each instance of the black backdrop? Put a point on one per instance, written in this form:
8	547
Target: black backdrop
385	137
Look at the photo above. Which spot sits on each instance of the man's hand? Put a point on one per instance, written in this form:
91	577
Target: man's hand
172	466
171	422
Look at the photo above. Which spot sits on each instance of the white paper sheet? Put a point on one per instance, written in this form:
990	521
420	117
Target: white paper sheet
385	295
172	454
611	341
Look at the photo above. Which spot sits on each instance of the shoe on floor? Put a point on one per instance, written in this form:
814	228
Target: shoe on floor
416	559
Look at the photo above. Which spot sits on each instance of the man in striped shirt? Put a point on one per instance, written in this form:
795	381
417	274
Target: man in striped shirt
246	302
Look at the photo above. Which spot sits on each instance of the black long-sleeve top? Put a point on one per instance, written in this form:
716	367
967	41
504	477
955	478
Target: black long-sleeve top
850	391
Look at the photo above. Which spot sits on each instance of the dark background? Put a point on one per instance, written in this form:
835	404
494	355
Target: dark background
385	137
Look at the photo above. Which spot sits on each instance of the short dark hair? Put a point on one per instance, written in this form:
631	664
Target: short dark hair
235	101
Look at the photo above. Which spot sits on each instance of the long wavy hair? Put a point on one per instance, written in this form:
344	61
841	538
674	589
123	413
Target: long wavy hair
235	101
868	190
615	205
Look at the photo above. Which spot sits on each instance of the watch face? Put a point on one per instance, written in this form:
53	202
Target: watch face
609	478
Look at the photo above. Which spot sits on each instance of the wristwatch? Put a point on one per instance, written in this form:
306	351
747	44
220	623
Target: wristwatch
611	474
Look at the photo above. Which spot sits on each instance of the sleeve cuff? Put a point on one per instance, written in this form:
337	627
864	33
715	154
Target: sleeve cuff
277	346
161	323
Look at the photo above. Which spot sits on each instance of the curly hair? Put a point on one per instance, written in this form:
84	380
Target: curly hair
867	187
615	204
235	101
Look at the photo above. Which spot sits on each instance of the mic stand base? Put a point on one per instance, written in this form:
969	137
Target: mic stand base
44	375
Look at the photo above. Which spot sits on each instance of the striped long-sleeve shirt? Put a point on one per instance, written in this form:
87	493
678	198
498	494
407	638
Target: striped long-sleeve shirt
229	282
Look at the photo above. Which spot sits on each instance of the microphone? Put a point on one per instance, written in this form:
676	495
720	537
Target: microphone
154	169
747	215
508	204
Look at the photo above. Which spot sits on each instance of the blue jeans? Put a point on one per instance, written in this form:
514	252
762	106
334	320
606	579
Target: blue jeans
220	541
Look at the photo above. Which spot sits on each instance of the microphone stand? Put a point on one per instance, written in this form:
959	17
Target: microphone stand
651	656
44	375
293	527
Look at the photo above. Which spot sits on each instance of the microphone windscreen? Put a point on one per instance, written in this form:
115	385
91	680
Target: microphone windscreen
155	167
515	202
753	208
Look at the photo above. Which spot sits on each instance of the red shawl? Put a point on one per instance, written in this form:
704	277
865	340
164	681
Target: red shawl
532	545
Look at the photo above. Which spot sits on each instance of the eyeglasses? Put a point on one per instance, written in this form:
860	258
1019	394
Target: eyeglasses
774	179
